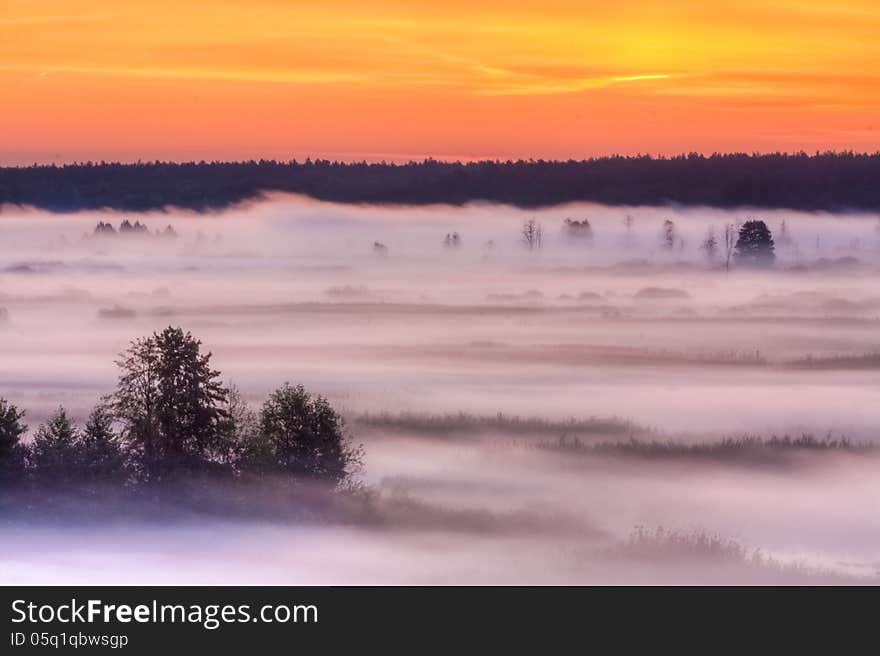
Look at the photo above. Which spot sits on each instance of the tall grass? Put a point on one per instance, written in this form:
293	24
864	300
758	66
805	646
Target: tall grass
665	544
660	546
730	448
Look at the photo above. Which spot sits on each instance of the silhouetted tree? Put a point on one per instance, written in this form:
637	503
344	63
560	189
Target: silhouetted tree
129	228
54	454
668	236
784	239
303	436
710	246
452	240
532	234
629	239
239	429
99	450
169	401
104	229
578	230
729	244
754	247
258	453
12	451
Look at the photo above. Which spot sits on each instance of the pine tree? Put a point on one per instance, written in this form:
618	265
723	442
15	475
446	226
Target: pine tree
12	451
100	455
54	453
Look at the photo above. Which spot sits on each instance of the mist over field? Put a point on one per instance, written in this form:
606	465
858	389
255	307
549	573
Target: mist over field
593	410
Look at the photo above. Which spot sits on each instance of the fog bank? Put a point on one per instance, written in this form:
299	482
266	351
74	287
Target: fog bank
651	342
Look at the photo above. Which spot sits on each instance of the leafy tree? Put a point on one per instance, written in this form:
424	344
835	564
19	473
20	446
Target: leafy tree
258	454
755	247
12	451
170	403
135	403
303	436
54	454
190	395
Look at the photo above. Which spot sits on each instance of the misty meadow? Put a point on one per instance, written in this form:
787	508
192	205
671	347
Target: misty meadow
437	394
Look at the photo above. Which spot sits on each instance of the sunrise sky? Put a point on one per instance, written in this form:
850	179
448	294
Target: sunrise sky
452	79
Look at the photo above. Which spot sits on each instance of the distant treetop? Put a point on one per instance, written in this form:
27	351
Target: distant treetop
754	246
137	228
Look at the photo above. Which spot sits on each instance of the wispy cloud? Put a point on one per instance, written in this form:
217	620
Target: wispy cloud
539	86
51	20
285	76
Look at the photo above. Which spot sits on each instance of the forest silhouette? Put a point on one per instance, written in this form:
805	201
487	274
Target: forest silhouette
823	181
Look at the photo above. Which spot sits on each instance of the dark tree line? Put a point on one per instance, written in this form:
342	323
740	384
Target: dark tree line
824	181
171	417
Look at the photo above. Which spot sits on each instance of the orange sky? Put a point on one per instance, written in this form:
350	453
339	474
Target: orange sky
347	79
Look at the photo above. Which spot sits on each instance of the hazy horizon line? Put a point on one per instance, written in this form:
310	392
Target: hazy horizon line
404	160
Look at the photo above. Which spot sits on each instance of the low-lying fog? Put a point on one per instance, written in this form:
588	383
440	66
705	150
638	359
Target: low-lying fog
402	332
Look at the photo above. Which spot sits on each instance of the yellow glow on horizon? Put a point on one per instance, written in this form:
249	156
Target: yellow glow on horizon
229	78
